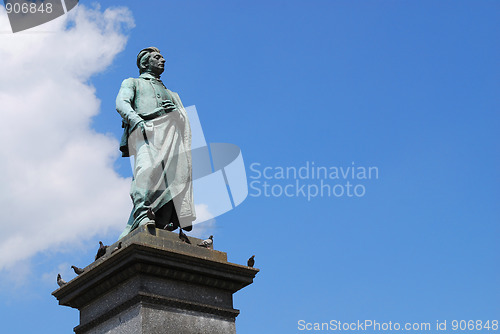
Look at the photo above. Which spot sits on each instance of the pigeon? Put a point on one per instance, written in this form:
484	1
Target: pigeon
117	247
60	281
207	243
101	251
77	270
183	237
251	261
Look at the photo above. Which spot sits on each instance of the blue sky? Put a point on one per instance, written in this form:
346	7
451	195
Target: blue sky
408	87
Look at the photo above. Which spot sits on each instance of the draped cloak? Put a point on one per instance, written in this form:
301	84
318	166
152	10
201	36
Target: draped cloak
162	151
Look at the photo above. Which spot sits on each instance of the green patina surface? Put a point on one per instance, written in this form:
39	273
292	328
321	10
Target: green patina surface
158	135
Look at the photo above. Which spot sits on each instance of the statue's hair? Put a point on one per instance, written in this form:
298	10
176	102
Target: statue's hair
143	57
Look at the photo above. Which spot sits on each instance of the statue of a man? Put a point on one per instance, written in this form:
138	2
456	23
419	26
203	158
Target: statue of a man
158	135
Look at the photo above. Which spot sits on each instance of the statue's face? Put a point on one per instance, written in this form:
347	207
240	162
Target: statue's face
156	63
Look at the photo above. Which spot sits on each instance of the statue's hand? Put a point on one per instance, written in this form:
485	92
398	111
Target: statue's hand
146	129
169	105
140	125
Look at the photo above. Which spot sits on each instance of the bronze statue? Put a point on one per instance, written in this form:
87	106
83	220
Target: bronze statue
158	135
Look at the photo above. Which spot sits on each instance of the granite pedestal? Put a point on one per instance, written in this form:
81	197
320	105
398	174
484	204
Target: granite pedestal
157	284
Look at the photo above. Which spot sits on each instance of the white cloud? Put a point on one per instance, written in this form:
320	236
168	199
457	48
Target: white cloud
204	229
58	185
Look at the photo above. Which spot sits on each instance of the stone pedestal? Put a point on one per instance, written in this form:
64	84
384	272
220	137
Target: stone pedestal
156	284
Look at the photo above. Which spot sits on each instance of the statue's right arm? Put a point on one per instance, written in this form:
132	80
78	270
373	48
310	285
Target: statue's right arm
124	103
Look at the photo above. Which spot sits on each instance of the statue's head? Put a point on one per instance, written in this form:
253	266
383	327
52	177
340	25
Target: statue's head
151	60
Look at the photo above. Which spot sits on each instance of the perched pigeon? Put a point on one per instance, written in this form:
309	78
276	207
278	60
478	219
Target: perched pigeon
207	243
251	261
60	281
101	251
117	247
183	237
77	270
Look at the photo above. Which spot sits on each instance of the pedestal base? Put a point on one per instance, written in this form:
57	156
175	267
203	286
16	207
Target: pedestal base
157	284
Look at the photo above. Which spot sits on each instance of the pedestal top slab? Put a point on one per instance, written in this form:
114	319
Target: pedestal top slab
159	253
